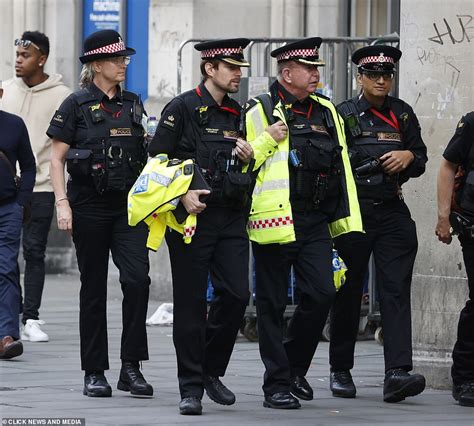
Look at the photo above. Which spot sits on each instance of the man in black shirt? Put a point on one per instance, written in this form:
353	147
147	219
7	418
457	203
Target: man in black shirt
203	124
386	149
460	213
14	199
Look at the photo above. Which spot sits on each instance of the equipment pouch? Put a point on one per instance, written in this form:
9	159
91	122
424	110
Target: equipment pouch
79	162
320	156
236	186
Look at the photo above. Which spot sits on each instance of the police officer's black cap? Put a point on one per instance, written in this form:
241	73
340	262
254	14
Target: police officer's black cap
104	44
229	50
305	51
379	58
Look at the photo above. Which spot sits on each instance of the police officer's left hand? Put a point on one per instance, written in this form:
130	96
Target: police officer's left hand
396	161
243	150
191	200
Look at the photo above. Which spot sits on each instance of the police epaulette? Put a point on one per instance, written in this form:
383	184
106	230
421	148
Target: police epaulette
129	96
84	96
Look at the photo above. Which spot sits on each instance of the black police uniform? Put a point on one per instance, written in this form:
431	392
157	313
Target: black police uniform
460	150
105	157
390	231
194	126
310	135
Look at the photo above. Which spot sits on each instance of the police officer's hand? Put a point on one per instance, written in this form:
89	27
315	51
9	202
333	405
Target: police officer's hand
277	131
396	161
243	150
64	215
191	201
443	230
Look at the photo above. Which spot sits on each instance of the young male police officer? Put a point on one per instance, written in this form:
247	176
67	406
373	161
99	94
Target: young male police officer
386	150
304	183
460	152
203	124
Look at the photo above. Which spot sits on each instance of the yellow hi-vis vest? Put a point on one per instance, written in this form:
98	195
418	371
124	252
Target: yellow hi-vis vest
271	217
156	193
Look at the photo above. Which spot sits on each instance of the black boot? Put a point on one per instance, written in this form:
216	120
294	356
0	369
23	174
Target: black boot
281	400
464	394
217	391
190	406
301	389
96	385
341	384
131	380
398	385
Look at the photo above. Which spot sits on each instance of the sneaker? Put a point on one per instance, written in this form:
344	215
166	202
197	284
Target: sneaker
32	331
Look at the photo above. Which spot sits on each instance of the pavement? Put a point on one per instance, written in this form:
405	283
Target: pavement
46	381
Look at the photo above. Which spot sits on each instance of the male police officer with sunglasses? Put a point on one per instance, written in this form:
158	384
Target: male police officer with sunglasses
386	150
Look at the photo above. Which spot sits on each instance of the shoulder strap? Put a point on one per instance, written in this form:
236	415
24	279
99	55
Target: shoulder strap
350	114
84	96
266	100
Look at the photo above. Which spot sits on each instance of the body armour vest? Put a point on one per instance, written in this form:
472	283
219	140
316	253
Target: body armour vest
315	164
465	197
216	130
365	149
113	155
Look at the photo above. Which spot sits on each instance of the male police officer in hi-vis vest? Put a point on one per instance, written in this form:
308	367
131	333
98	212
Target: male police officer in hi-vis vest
203	124
460	215
386	150
304	183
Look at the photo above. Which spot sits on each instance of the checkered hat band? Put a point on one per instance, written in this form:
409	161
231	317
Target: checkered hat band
296	53
210	53
110	48
376	59
270	223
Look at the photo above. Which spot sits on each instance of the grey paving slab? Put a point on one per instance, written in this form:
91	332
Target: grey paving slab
46	380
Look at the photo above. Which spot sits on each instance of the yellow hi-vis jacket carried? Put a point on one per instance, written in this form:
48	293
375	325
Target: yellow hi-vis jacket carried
156	194
271	217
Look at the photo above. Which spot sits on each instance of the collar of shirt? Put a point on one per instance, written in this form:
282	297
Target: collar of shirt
364	105
101	96
287	98
208	100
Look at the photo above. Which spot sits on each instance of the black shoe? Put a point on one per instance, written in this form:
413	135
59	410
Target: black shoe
282	400
131	380
464	394
398	385
96	385
341	384
217	391
301	389
190	406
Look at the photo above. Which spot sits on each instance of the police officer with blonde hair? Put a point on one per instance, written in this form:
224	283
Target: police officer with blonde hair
97	131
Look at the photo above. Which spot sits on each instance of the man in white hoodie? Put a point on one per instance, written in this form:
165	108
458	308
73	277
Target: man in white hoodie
35	96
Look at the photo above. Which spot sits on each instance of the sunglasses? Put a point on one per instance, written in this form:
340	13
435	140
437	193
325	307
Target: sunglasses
26	44
119	60
374	76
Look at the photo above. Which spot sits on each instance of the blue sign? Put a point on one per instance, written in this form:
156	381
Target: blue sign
101	15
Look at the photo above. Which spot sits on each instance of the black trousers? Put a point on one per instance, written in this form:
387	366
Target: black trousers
463	352
220	248
311	257
35	238
100	226
391	237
